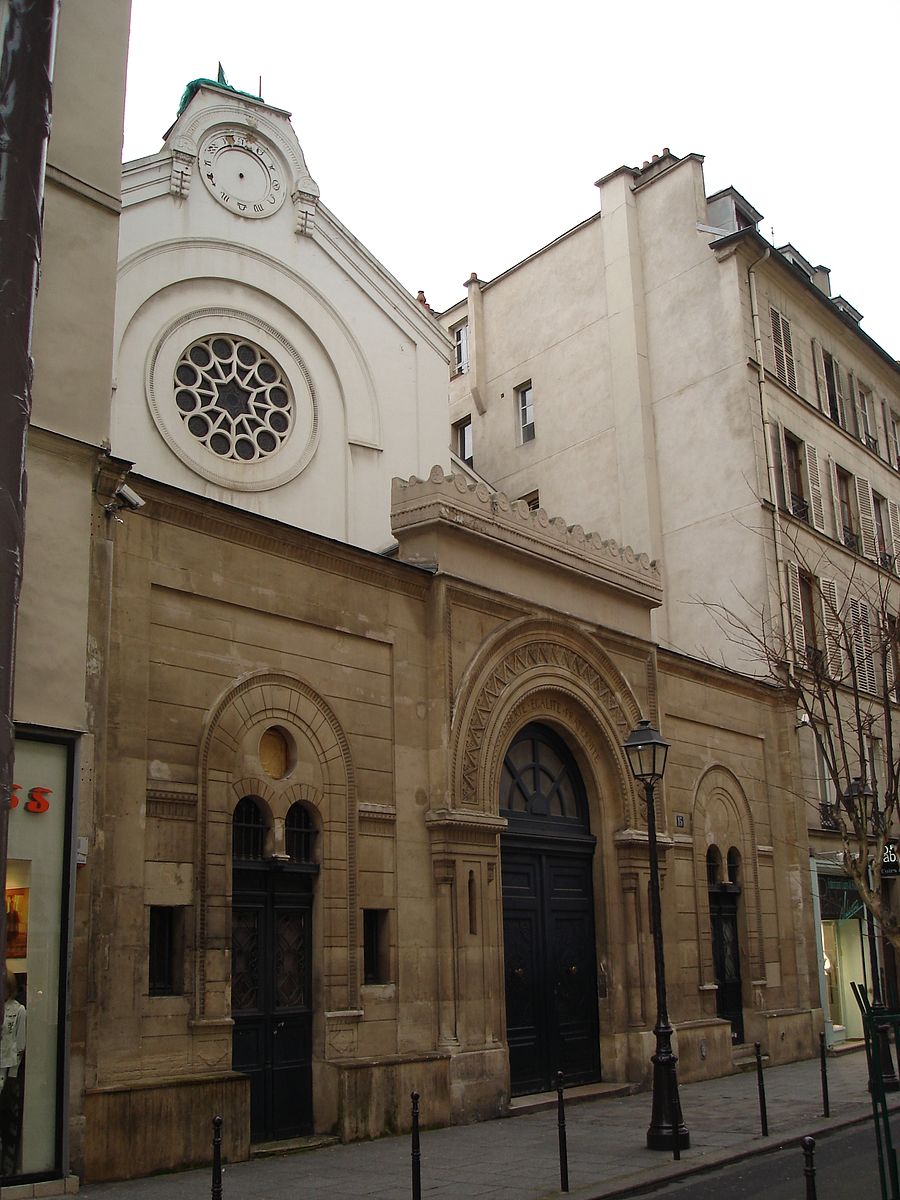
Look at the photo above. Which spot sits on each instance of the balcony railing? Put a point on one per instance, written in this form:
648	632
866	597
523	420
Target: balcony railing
828	818
851	539
799	507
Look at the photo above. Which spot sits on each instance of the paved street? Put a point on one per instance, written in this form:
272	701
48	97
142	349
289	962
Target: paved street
516	1158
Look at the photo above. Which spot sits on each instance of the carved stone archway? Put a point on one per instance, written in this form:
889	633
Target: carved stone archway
248	706
723	817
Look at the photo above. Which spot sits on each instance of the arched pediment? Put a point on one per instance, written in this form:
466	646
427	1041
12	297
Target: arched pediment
538	669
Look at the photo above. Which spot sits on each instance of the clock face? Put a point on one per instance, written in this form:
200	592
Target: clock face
242	173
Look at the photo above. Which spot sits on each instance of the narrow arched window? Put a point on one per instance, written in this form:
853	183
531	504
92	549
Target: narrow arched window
713	866
248	829
734	866
299	834
473	904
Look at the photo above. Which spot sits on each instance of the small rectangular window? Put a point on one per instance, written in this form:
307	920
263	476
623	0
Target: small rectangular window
460	335
376	945
525	403
462	440
532	499
166	950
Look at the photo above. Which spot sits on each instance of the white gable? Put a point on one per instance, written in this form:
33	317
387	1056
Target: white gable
263	356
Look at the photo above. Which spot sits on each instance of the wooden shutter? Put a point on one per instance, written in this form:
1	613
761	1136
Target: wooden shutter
814	478
841	390
795	604
855	398
789	354
783	348
861	628
779	459
836	501
821	387
866	508
894	522
831	623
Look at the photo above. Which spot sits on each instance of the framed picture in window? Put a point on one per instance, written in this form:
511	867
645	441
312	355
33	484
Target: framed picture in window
16	922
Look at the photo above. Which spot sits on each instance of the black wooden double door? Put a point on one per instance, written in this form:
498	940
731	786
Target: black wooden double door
550	968
723	915
271	980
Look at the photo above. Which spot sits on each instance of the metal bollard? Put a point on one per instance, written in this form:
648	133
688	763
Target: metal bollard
561	1123
416	1152
761	1089
826	1110
216	1192
809	1167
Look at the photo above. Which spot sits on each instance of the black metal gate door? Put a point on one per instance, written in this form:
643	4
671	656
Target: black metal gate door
270	996
550	968
727	960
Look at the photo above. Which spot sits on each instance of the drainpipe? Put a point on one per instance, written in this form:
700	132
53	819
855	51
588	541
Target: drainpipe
767	440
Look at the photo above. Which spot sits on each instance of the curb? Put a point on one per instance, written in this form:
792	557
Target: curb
652	1179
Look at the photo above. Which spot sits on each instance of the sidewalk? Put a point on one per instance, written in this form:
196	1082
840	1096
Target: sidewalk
516	1158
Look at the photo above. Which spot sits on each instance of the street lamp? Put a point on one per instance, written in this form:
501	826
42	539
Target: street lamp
646	751
860	794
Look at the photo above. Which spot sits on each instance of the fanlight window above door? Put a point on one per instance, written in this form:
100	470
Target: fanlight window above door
541	779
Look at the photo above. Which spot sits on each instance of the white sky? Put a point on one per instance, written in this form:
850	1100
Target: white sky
459	137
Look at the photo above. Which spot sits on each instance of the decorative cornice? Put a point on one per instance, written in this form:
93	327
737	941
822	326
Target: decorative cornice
458	503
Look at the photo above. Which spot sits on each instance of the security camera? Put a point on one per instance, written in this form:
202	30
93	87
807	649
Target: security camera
129	497
802	721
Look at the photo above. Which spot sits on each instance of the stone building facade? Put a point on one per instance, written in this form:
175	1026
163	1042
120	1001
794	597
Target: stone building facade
427	750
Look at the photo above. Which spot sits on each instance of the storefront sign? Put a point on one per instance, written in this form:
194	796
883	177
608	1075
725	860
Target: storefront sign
890	861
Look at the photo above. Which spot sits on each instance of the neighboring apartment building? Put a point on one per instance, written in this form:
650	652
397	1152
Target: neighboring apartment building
57	686
663	374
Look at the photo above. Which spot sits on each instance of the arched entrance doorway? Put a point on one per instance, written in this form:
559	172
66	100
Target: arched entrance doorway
724	893
271	970
550	965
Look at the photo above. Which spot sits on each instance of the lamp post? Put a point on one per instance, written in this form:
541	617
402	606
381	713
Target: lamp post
859	793
646	751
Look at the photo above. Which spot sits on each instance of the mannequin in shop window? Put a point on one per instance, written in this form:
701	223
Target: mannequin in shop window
12	1049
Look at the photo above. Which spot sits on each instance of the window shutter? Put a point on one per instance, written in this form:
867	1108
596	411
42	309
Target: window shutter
862	645
813	475
795	604
777	342
831	623
841	389
779	458
866	507
894	522
819	364
855	397
788	354
836	501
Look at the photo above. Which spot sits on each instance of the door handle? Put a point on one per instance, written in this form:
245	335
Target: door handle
280	1025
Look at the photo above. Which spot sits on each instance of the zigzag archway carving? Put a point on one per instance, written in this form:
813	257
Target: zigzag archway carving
522	667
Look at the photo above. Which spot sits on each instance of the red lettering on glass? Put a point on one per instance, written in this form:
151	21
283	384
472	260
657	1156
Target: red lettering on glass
37	801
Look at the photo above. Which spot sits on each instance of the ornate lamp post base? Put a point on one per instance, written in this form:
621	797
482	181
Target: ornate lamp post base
666	1127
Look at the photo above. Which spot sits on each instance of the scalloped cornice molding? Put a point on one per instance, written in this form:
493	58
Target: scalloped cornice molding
457	502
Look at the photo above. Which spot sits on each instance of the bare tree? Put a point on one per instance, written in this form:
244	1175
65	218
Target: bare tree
835	649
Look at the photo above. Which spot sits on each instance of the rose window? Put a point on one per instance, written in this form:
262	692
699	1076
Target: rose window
233	398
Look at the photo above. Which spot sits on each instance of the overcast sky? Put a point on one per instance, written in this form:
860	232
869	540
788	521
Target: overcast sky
460	137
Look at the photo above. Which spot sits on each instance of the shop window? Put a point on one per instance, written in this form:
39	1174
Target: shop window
166	951
37	890
376	945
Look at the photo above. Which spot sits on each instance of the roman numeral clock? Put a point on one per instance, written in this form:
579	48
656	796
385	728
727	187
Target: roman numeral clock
242	172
